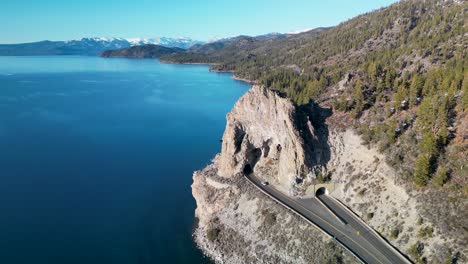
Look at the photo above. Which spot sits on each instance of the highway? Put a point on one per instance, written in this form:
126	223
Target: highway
335	220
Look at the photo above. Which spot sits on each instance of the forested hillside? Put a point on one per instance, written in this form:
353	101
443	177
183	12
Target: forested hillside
397	74
143	51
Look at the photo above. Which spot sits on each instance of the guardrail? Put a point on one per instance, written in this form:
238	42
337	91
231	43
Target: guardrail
378	235
305	218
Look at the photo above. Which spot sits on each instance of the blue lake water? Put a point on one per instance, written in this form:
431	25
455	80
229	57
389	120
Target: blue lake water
97	155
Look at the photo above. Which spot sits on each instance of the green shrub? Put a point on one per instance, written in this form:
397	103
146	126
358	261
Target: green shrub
420	221
441	176
323	178
362	192
212	234
416	251
394	233
425	232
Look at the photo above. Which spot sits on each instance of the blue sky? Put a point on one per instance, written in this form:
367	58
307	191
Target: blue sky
33	20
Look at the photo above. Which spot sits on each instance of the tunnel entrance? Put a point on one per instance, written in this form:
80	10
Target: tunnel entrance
252	157
321	191
247	169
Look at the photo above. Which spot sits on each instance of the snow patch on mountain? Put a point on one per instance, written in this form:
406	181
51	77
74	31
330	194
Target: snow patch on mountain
116	42
299	31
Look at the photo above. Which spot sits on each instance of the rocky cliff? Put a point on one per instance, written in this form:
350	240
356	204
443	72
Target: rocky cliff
290	147
239	224
267	135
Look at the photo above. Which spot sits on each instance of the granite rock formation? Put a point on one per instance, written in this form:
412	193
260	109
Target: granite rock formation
267	135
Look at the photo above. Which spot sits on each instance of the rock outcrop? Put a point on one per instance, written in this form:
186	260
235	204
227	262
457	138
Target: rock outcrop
267	134
263	135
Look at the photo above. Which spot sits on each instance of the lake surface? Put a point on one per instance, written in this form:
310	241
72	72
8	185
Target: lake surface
97	155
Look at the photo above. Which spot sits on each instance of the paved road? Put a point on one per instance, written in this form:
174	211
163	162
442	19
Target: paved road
349	231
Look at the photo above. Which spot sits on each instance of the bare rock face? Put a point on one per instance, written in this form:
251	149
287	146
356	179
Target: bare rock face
262	135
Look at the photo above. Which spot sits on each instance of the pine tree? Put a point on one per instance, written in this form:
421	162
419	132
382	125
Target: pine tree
441	176
392	130
428	145
417	83
358	98
400	95
422	170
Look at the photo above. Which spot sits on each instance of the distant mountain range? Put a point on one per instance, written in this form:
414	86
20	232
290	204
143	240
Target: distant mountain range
89	46
96	46
215	47
182	42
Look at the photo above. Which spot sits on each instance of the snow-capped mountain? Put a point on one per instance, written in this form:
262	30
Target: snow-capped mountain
90	46
180	42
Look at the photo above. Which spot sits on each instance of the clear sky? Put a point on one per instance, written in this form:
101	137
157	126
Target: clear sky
33	20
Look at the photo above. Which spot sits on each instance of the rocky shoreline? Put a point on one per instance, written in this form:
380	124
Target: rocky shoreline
239	224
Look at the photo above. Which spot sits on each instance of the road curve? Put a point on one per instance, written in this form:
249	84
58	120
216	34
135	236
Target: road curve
350	232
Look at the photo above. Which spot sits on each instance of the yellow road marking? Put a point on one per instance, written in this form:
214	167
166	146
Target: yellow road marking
326	222
287	198
334	228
